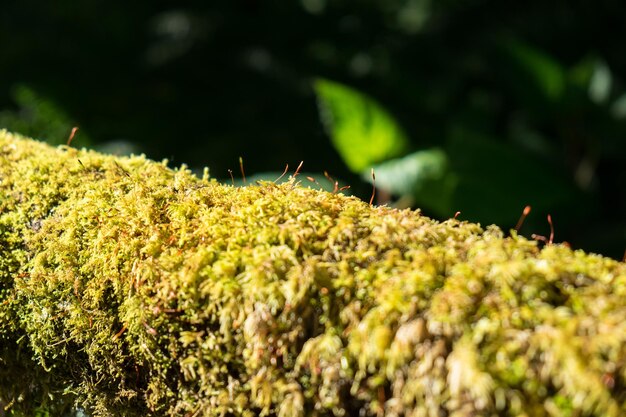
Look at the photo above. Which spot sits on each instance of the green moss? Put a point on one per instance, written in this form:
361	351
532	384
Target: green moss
130	289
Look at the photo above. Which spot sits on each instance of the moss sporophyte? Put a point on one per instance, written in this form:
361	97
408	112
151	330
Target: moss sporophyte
131	289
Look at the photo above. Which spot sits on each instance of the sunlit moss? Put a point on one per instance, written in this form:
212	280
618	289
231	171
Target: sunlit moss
131	289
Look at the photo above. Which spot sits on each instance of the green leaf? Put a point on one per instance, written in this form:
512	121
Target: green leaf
405	175
600	83
422	175
362	131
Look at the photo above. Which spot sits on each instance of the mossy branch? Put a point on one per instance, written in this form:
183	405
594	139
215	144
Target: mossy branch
130	289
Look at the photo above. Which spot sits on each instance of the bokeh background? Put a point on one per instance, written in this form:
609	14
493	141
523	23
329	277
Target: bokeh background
477	106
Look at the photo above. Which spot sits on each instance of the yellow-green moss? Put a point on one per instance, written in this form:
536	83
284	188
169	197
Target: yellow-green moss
130	289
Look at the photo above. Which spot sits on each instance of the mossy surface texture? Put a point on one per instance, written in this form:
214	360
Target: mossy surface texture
131	289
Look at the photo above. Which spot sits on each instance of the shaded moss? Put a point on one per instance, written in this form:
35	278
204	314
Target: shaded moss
131	289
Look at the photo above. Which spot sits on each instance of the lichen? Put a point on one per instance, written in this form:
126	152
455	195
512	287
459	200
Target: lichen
130	289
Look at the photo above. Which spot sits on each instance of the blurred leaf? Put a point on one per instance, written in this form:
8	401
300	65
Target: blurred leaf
437	195
413	15
41	118
407	174
315	7
362	131
600	83
537	78
422	175
118	147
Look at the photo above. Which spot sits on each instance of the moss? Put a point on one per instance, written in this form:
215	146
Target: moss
131	289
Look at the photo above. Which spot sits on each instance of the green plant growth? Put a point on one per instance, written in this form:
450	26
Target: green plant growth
544	80
39	117
363	132
130	289
489	176
471	169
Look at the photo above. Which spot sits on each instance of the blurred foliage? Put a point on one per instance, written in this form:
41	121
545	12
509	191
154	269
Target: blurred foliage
362	131
441	180
38	117
525	101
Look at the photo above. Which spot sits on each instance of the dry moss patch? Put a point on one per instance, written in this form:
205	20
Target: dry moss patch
131	289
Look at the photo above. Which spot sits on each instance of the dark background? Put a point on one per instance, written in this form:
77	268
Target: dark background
541	84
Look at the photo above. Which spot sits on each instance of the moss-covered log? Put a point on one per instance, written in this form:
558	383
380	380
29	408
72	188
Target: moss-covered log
130	289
